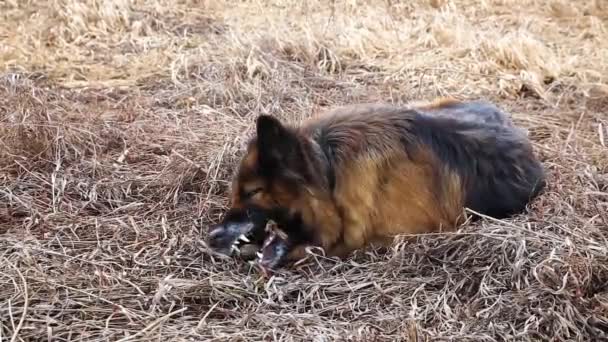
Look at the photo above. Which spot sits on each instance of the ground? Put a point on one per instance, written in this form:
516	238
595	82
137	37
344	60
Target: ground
121	122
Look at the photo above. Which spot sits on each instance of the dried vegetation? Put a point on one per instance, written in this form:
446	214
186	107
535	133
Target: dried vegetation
120	122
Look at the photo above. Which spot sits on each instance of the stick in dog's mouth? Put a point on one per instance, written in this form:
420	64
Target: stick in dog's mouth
274	249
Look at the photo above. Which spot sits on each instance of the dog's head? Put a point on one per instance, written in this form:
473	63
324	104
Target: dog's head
276	179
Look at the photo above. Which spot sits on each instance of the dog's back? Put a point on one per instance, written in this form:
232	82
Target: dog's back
481	112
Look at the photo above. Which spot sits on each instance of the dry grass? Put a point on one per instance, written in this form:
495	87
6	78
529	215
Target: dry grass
121	121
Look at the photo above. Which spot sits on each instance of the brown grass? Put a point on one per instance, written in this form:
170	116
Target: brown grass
120	122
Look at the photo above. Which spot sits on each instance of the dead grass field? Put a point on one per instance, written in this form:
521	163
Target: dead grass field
120	123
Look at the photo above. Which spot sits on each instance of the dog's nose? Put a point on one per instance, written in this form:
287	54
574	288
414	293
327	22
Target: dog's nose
215	236
215	231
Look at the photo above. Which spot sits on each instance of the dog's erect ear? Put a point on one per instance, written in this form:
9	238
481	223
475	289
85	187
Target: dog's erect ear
278	146
269	128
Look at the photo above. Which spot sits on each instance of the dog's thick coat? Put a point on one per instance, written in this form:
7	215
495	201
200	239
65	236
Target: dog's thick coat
364	173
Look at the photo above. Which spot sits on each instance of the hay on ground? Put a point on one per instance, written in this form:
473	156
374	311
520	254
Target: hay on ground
121	122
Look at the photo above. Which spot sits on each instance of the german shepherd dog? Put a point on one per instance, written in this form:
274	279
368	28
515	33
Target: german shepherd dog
362	174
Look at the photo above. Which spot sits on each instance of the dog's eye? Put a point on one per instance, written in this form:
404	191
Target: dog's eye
253	192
